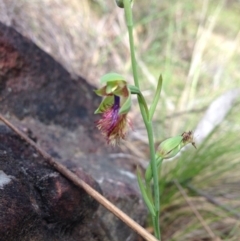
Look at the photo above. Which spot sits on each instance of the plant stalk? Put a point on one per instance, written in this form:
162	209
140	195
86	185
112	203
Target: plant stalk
155	180
147	121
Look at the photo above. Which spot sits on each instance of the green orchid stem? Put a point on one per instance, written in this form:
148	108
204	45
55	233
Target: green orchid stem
147	121
141	99
156	192
129	21
149	193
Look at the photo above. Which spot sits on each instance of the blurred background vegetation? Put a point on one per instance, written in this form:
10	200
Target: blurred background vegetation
196	47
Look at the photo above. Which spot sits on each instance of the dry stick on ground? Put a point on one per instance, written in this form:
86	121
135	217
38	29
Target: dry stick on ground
195	211
80	183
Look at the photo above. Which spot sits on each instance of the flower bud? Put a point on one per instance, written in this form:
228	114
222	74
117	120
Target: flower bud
168	149
171	146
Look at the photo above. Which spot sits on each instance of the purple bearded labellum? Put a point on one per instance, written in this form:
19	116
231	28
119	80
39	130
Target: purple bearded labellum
113	125
115	106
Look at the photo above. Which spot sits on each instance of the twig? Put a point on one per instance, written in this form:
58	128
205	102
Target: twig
80	183
213	201
195	211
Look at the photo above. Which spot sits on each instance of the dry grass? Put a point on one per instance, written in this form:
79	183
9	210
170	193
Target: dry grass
186	42
69	31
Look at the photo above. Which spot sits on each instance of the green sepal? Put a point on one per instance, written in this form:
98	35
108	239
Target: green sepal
111	77
111	87
101	92
146	199
126	106
108	101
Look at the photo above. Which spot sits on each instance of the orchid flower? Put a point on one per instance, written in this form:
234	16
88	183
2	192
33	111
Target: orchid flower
114	108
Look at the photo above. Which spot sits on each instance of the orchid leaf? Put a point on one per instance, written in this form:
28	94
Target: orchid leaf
156	97
144	195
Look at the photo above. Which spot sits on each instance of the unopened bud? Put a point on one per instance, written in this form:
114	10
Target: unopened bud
171	146
168	149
